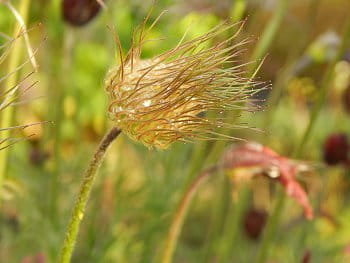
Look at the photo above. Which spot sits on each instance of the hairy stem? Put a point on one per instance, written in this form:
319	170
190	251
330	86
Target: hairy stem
83	195
180	213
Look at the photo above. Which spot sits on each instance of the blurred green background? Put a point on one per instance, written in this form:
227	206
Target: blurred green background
137	189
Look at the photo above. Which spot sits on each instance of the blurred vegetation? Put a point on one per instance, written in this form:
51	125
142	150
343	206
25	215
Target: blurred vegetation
138	190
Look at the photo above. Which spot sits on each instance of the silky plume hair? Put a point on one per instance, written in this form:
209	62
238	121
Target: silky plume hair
167	98
11	96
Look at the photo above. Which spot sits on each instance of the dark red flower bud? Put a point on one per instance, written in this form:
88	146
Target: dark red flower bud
254	222
306	257
336	149
79	12
37	156
346	99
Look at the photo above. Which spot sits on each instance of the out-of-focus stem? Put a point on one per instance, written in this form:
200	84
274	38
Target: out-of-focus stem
271	227
83	195
232	224
11	81
325	86
57	98
269	33
180	214
289	70
216	218
238	9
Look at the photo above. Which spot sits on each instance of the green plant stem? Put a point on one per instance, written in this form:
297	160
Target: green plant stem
270	229
239	6
11	81
325	86
180	213
58	95
83	195
232	224
218	210
288	70
269	33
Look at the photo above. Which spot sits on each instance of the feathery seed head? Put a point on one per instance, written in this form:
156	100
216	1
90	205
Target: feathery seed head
165	99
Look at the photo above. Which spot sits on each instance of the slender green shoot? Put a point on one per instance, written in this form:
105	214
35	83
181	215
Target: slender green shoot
83	196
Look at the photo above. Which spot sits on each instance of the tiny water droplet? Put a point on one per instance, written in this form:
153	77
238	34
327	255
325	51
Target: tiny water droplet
81	215
147	103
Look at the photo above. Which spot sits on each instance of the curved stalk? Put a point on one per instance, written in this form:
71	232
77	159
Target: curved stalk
180	213
83	195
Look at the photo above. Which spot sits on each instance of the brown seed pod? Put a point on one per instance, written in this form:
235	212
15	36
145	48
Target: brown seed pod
79	12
